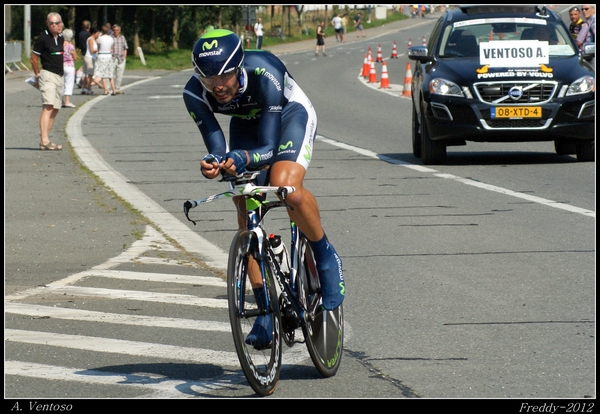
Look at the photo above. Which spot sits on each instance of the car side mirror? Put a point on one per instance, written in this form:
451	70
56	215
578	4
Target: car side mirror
419	53
589	51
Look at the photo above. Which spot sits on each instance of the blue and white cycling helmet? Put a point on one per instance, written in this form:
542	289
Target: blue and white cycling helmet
217	52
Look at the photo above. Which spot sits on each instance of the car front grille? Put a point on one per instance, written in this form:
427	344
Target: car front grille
516	92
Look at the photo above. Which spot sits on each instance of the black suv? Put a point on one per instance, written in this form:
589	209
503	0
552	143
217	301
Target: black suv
493	73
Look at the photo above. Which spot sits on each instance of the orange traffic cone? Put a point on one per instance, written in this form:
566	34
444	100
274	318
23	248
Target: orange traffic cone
491	35
394	52
372	74
379	54
409	43
366	67
407	81
385	81
424	41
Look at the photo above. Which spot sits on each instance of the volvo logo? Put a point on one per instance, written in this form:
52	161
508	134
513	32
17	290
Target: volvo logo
515	93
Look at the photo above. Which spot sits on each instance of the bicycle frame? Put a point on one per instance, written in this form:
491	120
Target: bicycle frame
256	211
289	301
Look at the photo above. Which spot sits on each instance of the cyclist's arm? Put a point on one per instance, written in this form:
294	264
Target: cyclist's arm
204	118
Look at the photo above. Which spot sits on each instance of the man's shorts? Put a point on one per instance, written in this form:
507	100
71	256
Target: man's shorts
51	87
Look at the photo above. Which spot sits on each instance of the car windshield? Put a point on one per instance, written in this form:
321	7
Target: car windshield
506	38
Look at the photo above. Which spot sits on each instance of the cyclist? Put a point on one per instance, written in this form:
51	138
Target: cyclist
273	127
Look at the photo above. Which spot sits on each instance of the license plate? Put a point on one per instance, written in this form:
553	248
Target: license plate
516	112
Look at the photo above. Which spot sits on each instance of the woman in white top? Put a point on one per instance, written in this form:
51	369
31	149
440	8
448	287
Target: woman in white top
90	59
105	67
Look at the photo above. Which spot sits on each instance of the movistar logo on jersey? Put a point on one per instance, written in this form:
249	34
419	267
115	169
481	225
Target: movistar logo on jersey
285	146
308	153
263	72
256	157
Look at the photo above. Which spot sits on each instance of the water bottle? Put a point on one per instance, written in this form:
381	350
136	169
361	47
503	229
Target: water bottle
280	253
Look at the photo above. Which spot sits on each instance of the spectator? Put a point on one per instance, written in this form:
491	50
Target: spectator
83	35
344	25
119	56
48	50
104	68
91	54
258	30
320	39
358	25
69	58
336	22
587	34
413	10
576	21
82	38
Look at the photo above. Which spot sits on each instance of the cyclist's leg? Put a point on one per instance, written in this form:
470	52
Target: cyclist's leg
253	269
299	126
244	134
262	330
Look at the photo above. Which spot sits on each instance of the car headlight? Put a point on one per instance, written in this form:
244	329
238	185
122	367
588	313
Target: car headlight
582	85
440	86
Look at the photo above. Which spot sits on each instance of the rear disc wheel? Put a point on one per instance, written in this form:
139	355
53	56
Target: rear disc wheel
324	335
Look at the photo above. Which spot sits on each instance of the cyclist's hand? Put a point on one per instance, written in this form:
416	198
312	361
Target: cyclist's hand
210	166
235	162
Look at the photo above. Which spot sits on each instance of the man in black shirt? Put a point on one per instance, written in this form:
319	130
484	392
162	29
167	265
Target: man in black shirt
48	49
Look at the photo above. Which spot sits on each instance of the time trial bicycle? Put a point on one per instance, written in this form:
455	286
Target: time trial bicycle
291	295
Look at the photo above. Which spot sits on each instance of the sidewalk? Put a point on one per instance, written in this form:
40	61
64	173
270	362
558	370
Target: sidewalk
58	219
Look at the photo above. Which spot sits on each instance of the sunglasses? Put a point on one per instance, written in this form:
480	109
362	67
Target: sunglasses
54	22
585	9
210	82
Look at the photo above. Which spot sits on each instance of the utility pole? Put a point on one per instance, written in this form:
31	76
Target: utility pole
27	31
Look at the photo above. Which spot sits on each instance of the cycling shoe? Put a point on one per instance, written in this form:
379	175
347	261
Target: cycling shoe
261	335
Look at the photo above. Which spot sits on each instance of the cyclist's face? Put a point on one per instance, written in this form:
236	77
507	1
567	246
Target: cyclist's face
223	87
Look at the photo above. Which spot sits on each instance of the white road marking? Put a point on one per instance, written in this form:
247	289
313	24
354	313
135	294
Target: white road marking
156	277
55	312
122	347
534	199
165	96
159	297
160	387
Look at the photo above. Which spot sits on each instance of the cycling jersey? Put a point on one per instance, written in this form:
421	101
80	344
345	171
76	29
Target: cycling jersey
271	117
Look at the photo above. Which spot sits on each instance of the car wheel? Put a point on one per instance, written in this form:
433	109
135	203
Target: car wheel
563	148
432	152
586	152
416	135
